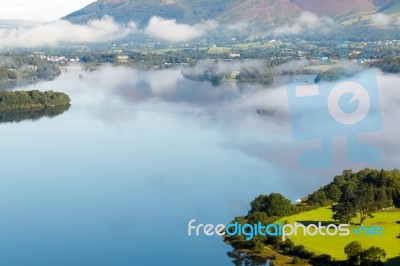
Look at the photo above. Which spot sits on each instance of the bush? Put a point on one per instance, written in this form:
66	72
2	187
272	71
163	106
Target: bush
297	261
301	251
368	257
323	259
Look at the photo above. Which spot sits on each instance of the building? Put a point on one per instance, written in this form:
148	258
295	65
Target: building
234	55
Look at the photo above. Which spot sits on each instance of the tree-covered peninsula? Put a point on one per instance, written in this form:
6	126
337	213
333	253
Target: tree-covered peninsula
23	100
367	202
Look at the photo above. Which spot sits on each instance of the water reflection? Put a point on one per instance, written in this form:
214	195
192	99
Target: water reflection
11	116
9	85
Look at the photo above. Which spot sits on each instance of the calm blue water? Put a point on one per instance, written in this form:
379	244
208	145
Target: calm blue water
116	178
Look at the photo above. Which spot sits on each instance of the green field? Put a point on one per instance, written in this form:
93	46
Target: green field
333	245
229	48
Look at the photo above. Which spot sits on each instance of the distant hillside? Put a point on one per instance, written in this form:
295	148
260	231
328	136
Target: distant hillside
188	11
262	11
263	14
336	8
392	6
140	11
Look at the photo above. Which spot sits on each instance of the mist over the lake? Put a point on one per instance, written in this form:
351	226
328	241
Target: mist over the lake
231	108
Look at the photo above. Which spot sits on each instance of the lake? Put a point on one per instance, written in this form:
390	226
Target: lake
115	179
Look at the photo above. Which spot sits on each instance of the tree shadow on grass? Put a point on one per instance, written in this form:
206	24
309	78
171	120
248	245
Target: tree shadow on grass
393	261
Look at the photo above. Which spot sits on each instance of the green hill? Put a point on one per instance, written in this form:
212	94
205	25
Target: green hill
389	220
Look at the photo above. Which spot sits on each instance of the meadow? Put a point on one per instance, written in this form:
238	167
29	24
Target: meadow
389	220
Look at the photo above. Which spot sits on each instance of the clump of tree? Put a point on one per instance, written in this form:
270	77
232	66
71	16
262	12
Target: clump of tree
334	74
299	253
273	205
356	255
7	74
266	209
25	66
212	71
207	71
260	76
47	71
360	193
388	64
240	258
18	100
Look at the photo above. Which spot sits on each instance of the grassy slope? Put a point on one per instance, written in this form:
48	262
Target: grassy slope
388	220
280	259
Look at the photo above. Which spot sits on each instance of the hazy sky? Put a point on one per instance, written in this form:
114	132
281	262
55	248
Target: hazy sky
42	10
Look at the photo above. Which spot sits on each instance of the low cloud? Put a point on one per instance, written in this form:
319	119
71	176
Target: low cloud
223	68
238	26
293	65
62	31
164	82
382	20
306	21
98	31
170	30
117	94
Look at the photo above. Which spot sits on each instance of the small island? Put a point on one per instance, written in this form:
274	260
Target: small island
35	100
335	74
216	71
